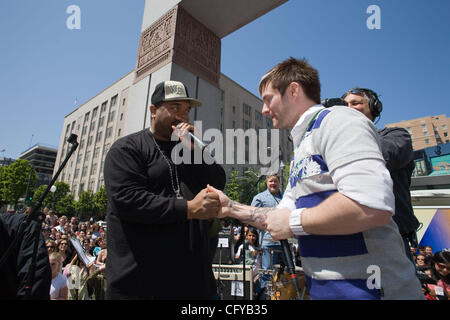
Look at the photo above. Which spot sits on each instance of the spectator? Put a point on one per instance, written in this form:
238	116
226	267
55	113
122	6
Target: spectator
428	251
252	256
102	254
86	246
420	264
62	222
51	246
422	250
58	288
271	249
46	233
251	245
82	227
440	271
81	235
51	218
64	250
95	231
99	245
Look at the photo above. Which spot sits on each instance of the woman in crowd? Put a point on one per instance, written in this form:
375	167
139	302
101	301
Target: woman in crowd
58	288
440	271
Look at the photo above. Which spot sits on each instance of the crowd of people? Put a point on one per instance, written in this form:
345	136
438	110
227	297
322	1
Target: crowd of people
75	277
433	271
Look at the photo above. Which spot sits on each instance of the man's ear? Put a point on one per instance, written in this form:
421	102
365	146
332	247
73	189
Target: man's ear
294	89
153	110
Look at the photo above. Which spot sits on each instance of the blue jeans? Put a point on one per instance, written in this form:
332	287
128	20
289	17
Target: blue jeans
266	258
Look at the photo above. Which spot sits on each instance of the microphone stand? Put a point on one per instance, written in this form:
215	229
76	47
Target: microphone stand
290	266
244	257
33	216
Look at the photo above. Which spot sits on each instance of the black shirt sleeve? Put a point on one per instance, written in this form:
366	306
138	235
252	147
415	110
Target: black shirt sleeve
396	147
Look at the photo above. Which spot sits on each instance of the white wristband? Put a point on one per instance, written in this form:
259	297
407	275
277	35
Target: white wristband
295	222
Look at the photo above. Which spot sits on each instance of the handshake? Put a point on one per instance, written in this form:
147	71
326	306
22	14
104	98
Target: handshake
208	203
211	203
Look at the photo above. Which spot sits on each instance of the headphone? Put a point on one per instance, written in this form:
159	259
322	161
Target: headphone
375	104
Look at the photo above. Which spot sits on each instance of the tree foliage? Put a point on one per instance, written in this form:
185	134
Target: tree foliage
85	206
14	181
101	201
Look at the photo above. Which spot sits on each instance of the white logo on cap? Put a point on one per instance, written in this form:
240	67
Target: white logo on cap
174	90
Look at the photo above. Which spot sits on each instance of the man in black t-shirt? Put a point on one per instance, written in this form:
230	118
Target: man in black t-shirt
159	214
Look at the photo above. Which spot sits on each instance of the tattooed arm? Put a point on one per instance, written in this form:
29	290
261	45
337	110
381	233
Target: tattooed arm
254	216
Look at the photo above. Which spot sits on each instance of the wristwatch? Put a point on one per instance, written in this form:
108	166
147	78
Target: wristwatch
295	222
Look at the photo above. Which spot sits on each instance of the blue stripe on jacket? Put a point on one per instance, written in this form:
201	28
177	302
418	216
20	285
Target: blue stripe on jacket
348	289
330	246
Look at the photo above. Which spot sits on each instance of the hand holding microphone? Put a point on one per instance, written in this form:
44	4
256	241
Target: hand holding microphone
184	131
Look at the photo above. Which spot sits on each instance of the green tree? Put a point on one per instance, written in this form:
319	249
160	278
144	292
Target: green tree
232	188
16	178
37	195
85	206
66	205
101	201
2	201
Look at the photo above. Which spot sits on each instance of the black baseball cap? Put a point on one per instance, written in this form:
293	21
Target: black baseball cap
172	91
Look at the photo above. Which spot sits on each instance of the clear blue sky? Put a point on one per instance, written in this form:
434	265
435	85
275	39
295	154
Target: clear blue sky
44	66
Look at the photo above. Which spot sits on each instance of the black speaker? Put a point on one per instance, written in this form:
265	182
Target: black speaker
225	247
231	284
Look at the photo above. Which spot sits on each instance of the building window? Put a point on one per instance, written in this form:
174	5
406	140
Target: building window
121	116
425	133
114	100
123	101
96	152
111	116
108	132
103	108
118	132
94	112
101	121
445	134
99	136
247	109
258	116
86	117
427	141
444	127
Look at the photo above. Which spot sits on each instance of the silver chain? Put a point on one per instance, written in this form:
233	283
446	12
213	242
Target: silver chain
177	189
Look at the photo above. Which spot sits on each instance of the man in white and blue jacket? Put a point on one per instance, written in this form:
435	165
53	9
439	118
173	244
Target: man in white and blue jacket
339	201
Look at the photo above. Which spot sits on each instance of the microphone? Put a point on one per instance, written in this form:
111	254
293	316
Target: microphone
196	140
